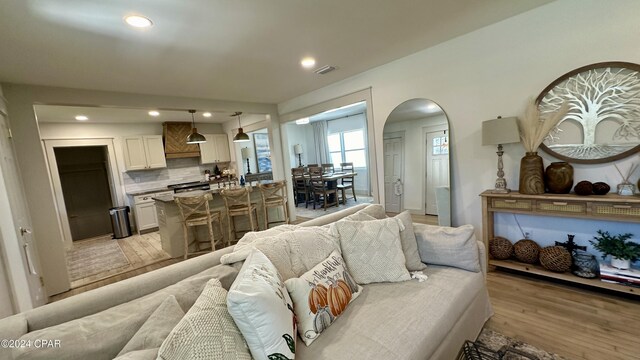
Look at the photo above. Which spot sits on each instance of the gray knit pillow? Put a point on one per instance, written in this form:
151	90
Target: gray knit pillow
207	331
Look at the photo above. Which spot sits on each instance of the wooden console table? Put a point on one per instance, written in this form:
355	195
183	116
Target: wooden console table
610	207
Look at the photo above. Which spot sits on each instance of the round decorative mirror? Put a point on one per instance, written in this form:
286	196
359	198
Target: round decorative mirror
603	122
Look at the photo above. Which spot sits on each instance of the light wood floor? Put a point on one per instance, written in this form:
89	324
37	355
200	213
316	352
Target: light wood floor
420	219
569	321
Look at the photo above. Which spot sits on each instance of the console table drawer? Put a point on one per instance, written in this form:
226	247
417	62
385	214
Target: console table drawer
513	204
616	209
562	207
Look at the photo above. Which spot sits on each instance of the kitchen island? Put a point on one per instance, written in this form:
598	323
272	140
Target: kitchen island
170	220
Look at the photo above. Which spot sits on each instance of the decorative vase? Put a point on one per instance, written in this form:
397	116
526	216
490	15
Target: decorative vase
622	264
585	265
531	174
559	177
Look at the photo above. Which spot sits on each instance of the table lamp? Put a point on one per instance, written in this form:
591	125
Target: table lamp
245	155
297	149
497	132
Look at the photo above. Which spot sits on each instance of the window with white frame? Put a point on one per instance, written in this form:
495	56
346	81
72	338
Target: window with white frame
347	146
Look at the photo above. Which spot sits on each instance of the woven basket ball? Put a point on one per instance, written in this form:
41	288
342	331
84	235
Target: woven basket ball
527	251
600	188
583	188
500	248
555	258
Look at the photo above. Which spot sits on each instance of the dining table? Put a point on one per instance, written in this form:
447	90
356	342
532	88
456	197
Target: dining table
331	179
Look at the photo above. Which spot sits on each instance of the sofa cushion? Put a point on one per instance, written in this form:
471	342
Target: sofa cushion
207	331
146	354
153	332
102	335
372	250
449	246
405	320
292	252
261	307
321	295
375	210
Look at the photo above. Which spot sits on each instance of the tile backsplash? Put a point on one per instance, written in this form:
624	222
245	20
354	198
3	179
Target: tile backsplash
177	171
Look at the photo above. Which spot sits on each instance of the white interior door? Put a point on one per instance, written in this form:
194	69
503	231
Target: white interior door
20	261
393	158
437	167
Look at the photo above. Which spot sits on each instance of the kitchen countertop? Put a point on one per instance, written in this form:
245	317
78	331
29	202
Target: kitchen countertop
213	190
147	191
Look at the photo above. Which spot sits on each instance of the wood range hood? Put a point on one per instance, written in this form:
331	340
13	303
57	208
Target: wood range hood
175	141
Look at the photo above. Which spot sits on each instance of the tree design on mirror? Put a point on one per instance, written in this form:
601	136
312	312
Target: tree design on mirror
603	122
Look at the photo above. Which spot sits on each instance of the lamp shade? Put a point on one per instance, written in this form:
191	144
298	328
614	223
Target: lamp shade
297	149
245	152
500	131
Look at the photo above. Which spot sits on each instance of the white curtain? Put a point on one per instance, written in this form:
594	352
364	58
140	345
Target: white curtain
321	146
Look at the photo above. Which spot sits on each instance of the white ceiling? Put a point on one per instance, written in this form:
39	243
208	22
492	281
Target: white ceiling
414	109
246	50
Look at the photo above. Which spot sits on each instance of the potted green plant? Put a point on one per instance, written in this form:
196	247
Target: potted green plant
621	249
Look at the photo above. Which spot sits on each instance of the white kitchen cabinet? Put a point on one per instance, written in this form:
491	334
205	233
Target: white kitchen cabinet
215	150
144	152
145	210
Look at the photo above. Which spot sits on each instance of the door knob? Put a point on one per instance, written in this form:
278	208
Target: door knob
24	231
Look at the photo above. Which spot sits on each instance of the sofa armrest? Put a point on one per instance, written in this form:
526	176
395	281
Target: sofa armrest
11	328
482	252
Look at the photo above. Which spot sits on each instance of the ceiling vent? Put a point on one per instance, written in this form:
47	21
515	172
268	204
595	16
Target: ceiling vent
325	69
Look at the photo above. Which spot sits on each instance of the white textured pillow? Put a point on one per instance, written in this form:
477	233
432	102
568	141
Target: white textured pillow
372	250
207	331
321	295
375	210
359	216
409	243
260	305
146	354
292	252
157	327
443	245
252	236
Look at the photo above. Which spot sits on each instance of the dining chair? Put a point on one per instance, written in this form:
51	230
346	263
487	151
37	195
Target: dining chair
238	203
328	168
274	195
195	211
320	190
300	187
347	181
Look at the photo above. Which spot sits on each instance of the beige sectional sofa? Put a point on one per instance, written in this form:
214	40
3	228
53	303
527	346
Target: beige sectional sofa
403	320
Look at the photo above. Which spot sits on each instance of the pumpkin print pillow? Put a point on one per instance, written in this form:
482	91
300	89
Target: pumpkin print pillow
320	295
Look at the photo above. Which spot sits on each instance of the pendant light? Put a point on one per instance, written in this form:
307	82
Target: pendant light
240	136
195	137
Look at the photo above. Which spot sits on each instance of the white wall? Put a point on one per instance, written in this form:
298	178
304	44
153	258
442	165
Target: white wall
414	157
491	72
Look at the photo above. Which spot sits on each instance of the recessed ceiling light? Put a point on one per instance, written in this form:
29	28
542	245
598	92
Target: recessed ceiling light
81	118
138	21
206	114
154	113
302	121
308	62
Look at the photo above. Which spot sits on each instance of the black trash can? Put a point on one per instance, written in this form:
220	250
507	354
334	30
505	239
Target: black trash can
120	222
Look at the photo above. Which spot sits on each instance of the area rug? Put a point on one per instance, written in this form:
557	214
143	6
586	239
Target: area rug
91	257
496	341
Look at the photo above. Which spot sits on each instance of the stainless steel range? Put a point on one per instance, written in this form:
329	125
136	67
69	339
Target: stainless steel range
189	186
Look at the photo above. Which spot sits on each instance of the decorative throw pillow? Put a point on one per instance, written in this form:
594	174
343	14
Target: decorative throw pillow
407	238
409	243
443	245
146	354
207	331
372	250
375	210
321	295
292	252
157	327
261	307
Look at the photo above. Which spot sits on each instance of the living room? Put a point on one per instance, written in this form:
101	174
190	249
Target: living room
475	75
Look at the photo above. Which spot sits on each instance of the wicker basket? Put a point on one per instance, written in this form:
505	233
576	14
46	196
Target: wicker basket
500	248
555	258
527	251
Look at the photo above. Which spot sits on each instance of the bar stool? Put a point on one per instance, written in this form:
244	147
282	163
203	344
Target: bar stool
238	203
274	195
195	212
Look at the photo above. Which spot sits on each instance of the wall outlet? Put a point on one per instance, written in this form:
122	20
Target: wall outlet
137	179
